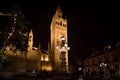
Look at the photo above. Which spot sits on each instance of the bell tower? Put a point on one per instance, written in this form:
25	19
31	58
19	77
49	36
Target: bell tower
30	42
58	29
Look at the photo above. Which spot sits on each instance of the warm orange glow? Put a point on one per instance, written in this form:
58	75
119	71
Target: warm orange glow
48	68
65	44
68	48
46	59
57	47
63	38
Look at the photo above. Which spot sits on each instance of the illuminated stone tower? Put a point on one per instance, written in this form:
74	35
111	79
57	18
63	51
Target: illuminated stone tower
58	29
30	42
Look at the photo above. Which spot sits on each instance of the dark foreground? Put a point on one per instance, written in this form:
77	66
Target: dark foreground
58	77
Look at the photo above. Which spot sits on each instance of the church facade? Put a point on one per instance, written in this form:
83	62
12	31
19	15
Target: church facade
37	58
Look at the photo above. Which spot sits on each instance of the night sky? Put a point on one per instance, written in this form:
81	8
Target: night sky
89	28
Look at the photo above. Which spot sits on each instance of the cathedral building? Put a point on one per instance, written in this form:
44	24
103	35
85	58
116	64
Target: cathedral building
39	59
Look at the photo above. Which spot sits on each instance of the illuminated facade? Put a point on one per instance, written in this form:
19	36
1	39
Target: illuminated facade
58	29
37	58
33	59
106	62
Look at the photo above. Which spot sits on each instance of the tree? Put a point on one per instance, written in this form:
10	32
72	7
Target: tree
20	36
4	60
13	31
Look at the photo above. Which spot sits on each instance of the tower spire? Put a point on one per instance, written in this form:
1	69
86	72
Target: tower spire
58	12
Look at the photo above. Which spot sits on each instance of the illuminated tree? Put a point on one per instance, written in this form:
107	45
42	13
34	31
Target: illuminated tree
13	31
20	36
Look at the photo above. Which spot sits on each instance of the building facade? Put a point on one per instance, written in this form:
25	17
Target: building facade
105	62
58	29
36	58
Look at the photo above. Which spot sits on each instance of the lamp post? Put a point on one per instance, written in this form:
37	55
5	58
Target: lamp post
103	67
103	64
63	47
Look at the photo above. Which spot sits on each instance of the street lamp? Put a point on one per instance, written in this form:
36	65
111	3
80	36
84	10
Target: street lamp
103	64
63	47
103	67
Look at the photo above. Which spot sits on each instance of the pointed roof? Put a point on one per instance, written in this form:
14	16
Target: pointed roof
30	32
58	12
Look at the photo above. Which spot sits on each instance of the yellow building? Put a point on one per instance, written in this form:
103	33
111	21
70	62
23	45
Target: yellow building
104	62
58	29
37	58
33	59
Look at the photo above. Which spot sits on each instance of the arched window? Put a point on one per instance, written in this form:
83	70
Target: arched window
60	23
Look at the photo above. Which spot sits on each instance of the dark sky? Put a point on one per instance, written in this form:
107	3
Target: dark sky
90	27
